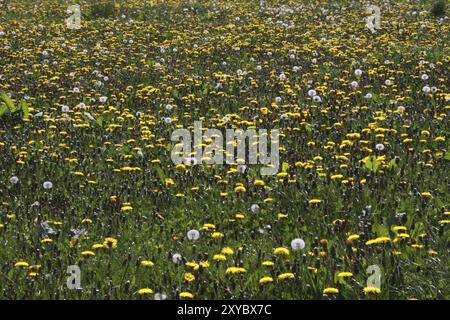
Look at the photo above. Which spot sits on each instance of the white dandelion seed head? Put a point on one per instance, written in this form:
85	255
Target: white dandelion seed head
354	84
160	296
177	258
65	109
103	99
241	168
254	207
424	77
368	96
379	146
47	185
317	99
401	109
193	235
312	93
168	120
426	89
298	244
278	99
358	72
35	204
14	180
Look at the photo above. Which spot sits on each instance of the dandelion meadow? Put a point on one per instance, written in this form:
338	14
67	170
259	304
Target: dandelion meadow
92	205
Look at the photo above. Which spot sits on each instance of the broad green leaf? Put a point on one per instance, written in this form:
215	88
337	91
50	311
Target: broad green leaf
308	127
371	163
24	107
99	121
447	155
3	109
392	164
7	100
160	174
380	230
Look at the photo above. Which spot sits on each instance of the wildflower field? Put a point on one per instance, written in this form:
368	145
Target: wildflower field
93	207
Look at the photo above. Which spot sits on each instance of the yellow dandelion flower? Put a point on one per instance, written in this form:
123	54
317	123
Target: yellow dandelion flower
147	263
126	208
345	274
227	251
371	290
217	235
186	295
268	263
145	291
330	291
189	277
21	264
281	251
265	280
259	183
287	275
193	265
110	242
208	226
235	270
379	240
219	257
